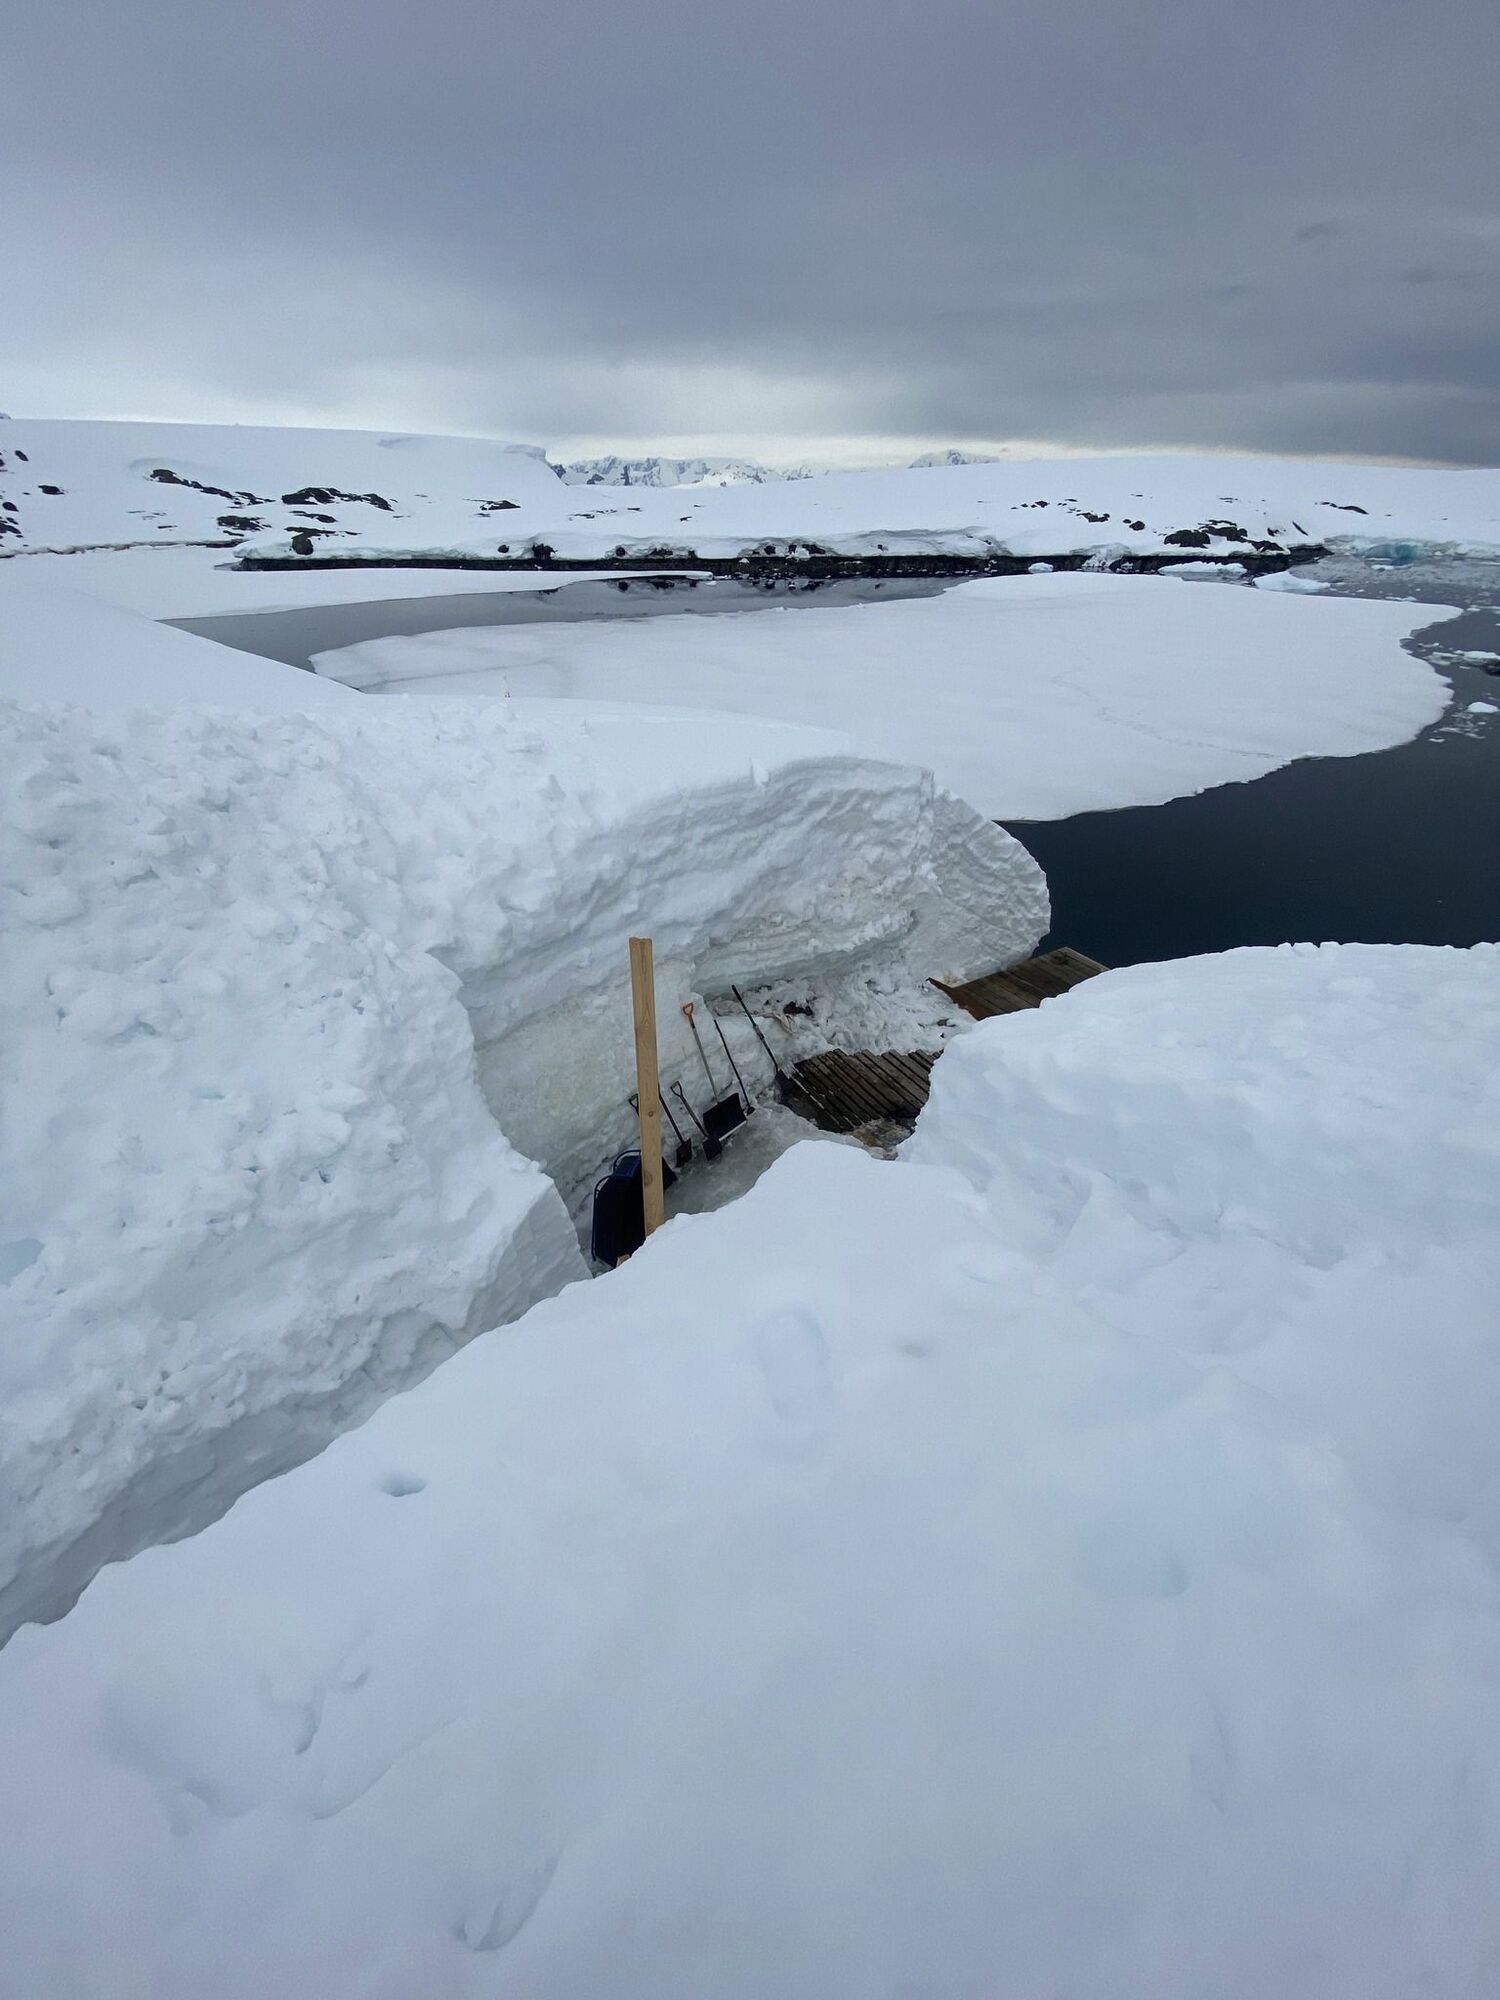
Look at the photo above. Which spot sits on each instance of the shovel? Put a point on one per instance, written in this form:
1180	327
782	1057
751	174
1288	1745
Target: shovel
788	1089
783	1081
724	1114
684	1146
711	1146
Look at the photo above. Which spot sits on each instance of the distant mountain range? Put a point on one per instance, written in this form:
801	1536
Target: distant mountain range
676	472
680	472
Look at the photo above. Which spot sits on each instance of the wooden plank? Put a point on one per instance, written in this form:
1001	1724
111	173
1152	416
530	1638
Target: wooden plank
854	1084
846	1090
1015	987
647	1083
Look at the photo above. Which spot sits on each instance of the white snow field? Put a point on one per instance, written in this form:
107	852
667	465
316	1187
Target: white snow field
60	645
1033	697
1060	1562
405	495
274	973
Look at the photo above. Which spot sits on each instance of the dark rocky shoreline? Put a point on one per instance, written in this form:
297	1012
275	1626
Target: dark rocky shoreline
1119	562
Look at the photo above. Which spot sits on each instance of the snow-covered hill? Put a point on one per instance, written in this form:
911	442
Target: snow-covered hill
319	495
67	485
952	456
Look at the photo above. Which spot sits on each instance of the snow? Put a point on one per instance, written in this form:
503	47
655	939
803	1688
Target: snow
304	1005
1023	508
682	474
437	489
108	495
177	582
1033	697
61	646
1289	580
1060	1561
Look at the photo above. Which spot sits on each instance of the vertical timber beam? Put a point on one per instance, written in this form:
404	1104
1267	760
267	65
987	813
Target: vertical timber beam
643	1004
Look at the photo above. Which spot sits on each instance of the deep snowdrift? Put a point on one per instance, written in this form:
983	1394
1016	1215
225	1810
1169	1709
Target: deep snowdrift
249	1179
1060	1562
1033	697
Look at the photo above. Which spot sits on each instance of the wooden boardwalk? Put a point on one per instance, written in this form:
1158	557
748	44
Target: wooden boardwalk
842	1092
1025	985
845	1093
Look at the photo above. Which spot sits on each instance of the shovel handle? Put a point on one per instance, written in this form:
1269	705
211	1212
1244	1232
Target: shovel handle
729	1057
713	1088
781	1076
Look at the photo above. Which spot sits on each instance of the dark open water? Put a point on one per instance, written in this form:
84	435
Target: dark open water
1398	847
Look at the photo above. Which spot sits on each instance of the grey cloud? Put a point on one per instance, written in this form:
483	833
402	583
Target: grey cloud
1040	220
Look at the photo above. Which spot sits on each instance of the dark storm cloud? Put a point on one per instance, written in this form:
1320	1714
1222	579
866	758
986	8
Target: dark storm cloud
1107	224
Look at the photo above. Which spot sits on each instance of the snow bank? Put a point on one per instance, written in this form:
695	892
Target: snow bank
249	1178
1034	697
1288	1160
902	1581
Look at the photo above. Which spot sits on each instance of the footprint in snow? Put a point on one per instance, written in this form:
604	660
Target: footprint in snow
494	1919
792	1351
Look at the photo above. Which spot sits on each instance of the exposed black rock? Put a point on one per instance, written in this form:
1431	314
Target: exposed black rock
1187	538
323	496
242	524
164	476
755	565
54	490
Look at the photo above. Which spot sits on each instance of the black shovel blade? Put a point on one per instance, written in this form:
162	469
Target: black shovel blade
720	1119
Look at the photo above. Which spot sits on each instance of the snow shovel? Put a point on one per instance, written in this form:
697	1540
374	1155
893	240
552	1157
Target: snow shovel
783	1082
724	1114
711	1146
729	1058
787	1088
684	1146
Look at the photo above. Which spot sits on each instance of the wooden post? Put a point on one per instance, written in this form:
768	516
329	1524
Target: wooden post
648	1090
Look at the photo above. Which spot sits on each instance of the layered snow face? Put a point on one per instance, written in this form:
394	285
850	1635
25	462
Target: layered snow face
249	1176
1034	697
1062	1561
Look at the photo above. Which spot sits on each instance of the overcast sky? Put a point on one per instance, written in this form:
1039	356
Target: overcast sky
788	227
